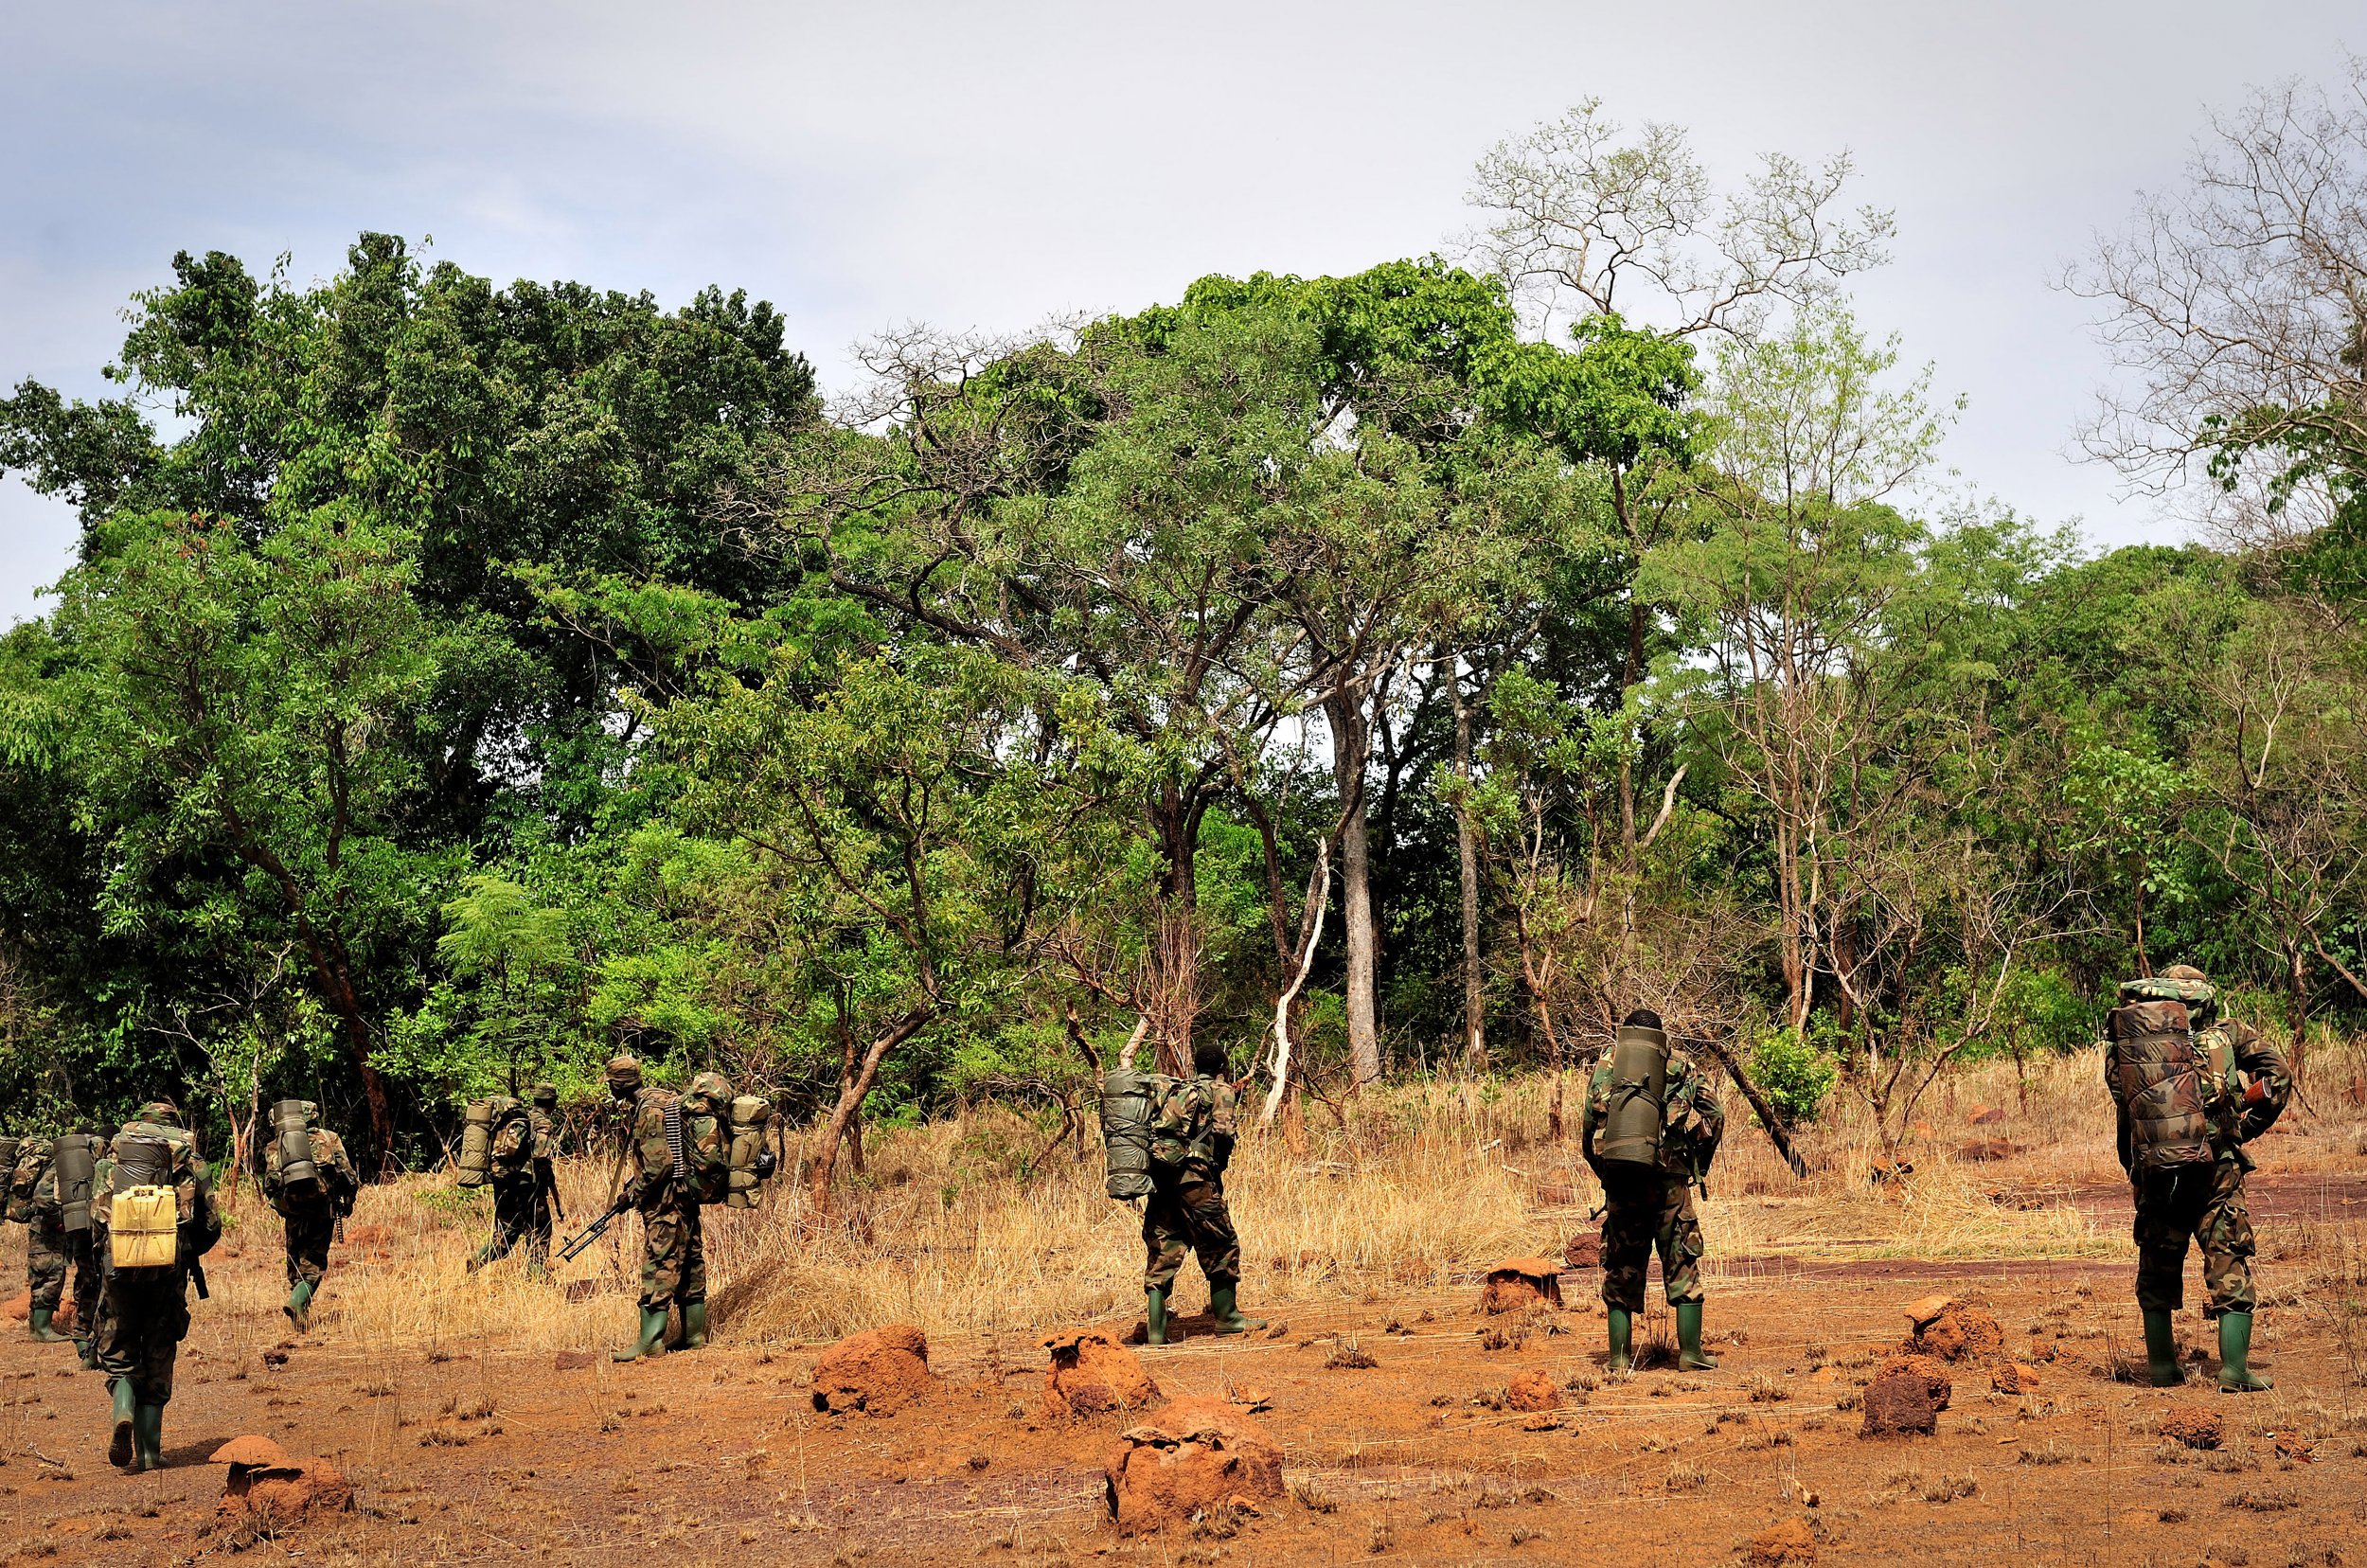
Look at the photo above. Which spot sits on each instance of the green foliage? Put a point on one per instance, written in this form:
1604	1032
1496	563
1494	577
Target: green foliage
1796	1073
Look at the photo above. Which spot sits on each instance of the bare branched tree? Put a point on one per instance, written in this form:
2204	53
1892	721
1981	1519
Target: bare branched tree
2236	306
1585	220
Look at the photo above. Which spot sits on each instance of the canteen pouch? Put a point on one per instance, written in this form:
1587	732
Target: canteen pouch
1128	1099
1638	1099
76	1162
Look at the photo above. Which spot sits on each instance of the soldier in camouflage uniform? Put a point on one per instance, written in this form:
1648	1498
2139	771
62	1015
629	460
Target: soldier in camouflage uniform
1644	1212
145	1314
673	1258
51	1253
523	1185
1191	1143
309	1218
2247	1084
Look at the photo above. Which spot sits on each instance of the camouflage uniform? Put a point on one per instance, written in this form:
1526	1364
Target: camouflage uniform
522	1188
145	1314
2205	1202
1643	1213
311	1218
1191	1141
673	1258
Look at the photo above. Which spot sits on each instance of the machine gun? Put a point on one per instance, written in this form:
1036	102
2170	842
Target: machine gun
1758	1102
594	1231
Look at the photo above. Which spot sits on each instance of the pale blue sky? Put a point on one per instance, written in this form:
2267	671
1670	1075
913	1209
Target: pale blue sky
993	165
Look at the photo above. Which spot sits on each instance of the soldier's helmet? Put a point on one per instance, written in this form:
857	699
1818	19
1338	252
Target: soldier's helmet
712	1090
546	1096
161	1112
624	1075
2185	971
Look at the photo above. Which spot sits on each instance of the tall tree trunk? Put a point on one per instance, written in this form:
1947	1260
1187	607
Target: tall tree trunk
1466	856
1175	990
851	1097
1351	745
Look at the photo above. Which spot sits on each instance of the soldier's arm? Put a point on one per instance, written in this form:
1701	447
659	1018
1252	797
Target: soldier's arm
2270	1085
1222	1123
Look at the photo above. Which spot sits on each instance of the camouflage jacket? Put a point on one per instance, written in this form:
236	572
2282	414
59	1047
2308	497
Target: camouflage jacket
1192	1128
32	1178
340	1182
1692	1120
651	1184
2243	1102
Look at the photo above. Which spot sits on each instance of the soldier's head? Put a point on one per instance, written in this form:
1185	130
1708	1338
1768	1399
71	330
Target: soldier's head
624	1078
1208	1059
2187	973
1641	1018
546	1097
161	1112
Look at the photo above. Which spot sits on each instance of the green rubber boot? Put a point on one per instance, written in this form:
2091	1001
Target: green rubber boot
1155	1329
694	1325
148	1437
88	1350
1690	1356
1226	1313
2235	1377
39	1323
119	1446
2162	1369
652	1332
1622	1336
299	1308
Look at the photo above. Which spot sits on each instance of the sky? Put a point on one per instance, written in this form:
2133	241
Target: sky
990	165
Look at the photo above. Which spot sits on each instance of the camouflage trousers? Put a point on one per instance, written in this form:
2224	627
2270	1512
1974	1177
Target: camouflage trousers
1641	1215
673	1258
309	1233
521	1213
2204	1203
51	1256
144	1319
1189	1217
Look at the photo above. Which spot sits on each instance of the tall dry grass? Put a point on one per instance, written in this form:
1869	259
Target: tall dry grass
1430	1183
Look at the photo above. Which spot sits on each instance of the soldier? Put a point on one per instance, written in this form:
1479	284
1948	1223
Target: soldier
524	1185
54	1249
309	1206
1191	1143
145	1309
673	1259
2182	1143
1648	1157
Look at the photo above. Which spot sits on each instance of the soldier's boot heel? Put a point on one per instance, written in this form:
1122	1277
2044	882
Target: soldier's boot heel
1690	1356
1622	1356
2162	1369
148	1437
1227	1314
120	1445
299	1308
652	1332
39	1323
1155	1329
2236	1373
694	1325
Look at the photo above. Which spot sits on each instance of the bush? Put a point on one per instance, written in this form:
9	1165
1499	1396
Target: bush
1795	1075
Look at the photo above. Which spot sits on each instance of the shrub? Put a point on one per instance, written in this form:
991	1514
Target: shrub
1794	1073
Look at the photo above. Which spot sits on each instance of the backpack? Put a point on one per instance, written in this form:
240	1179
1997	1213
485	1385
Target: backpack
152	1194
752	1164
74	1159
706	1172
2157	1077
1128	1098
1637	1108
480	1122
291	1175
33	1164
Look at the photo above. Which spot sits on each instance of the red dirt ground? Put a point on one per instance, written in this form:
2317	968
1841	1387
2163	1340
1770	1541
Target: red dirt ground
1425	1458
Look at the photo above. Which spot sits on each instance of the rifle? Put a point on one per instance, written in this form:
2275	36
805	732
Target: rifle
1758	1102
593	1232
549	1182
197	1274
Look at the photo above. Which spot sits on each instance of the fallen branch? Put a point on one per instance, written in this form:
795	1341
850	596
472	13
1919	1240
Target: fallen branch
1758	1102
